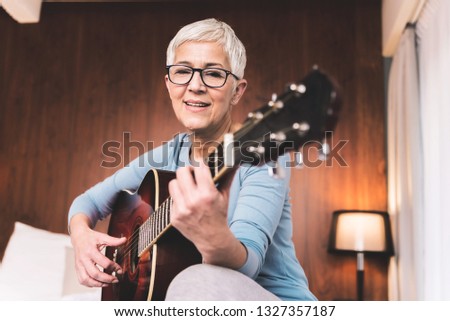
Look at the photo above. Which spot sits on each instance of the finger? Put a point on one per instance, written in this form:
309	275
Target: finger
96	254
178	199
203	177
107	264
107	240
96	275
186	178
187	194
85	279
95	283
90	282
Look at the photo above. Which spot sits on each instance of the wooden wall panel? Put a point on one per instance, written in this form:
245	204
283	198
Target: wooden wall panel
88	73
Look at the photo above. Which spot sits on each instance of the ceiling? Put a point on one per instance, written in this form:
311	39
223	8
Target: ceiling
395	14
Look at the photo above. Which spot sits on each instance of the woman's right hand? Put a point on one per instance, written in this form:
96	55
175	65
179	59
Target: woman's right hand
90	262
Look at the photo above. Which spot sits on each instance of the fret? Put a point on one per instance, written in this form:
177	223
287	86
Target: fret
147	233
154	224
150	227
158	213
161	225
143	231
166	213
161	217
140	238
152	233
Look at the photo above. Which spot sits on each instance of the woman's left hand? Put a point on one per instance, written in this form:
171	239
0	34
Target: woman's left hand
199	212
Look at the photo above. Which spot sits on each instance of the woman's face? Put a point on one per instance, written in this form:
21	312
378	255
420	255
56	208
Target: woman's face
203	110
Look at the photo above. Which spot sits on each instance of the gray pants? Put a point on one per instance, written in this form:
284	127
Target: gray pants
204	282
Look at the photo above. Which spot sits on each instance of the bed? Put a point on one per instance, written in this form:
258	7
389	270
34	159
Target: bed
39	265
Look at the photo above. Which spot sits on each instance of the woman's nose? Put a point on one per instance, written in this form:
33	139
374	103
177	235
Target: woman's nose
196	82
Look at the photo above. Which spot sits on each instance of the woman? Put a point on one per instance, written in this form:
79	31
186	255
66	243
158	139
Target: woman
243	232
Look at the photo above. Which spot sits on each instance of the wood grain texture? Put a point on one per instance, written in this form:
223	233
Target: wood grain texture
87	74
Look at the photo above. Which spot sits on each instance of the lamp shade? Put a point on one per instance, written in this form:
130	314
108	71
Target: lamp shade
361	231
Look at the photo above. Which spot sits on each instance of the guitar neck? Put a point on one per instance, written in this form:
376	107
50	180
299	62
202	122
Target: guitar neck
159	222
155	226
301	115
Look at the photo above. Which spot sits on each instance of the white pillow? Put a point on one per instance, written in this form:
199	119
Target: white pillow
33	264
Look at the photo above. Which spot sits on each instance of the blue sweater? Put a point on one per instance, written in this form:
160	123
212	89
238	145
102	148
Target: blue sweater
259	215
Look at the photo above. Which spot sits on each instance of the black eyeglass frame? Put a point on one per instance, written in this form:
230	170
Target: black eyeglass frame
200	71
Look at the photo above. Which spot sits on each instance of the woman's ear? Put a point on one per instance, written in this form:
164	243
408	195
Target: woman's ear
166	79
239	91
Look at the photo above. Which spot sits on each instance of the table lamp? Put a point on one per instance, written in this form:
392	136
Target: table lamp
360	232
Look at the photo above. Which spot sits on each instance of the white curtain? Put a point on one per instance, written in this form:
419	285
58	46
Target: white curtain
418	177
433	37
405	180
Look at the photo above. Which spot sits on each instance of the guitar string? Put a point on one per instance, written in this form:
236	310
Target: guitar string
148	225
134	239
151	227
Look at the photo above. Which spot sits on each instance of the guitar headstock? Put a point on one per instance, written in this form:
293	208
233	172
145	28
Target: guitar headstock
301	115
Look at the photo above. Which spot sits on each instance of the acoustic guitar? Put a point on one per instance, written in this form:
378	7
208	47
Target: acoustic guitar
155	252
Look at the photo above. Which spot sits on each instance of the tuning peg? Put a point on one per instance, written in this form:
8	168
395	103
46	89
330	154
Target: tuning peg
277	171
275	102
302	128
324	151
300	88
255	116
298	160
279	136
333	95
259	149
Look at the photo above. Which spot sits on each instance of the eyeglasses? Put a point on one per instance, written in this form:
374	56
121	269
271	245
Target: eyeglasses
211	77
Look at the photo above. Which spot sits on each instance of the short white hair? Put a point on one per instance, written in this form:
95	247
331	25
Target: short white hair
215	31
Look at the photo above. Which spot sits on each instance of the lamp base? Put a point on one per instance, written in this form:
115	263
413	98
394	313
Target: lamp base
360	276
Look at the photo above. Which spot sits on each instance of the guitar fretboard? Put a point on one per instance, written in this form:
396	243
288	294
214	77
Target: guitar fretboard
154	226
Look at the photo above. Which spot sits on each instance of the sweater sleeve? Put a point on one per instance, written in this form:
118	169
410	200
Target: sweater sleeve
259	204
97	202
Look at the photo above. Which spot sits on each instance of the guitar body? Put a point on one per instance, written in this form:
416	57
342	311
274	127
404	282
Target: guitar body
146	275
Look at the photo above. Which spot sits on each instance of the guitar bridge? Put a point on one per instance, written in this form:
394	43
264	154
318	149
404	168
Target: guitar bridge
114	259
